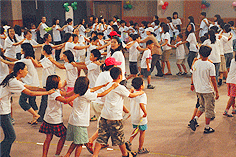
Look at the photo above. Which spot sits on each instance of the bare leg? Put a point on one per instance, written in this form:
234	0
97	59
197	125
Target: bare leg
231	102
199	113
149	79
194	113
35	114
179	67
132	137
78	150
96	149
184	67
208	120
168	67
123	150
46	144
70	150
163	66
93	137
141	139
60	145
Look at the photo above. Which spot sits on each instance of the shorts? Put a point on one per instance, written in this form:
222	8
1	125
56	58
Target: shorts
113	129
166	55
145	73
58	130
228	58
231	89
141	127
222	64
234	44
180	61
207	104
77	134
133	67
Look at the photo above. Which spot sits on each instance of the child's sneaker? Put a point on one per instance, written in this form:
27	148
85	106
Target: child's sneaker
207	131
228	115
150	86
233	111
190	122
128	145
94	118
193	124
184	73
143	151
179	73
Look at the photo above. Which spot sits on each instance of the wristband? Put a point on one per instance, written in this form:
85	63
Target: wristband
191	84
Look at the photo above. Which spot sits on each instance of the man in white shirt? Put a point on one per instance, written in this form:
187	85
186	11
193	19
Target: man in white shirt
43	29
203	79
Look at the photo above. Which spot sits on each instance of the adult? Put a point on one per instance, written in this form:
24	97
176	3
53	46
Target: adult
43	29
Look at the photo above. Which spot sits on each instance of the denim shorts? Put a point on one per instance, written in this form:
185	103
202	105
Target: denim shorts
141	127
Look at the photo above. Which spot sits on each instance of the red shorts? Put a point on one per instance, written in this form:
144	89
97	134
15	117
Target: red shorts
231	89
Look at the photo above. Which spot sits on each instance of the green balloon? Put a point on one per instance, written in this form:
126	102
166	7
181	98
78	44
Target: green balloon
75	8
130	6
67	9
125	6
65	5
75	3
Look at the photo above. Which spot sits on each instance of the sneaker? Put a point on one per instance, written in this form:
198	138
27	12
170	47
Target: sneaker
150	86
190	122
128	145
143	151
179	73
184	73
228	115
193	124
207	131
94	118
159	75
233	111
212	118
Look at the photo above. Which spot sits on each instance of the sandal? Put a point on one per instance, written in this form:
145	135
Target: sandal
128	145
132	153
33	122
168	74
89	147
143	151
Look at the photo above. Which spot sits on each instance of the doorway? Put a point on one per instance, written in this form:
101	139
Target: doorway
108	9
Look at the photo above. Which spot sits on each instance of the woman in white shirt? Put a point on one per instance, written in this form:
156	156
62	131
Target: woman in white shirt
11	84
19	36
81	27
69	28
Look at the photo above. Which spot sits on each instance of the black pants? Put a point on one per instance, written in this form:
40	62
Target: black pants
191	57
43	106
57	52
156	62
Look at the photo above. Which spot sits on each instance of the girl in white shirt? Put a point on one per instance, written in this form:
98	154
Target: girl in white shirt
53	122
81	27
69	28
3	36
9	85
19	36
171	28
176	22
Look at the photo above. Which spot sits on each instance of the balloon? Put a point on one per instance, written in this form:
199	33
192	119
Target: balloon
75	3
65	5
161	3
72	5
203	1
75	8
203	6
130	6
127	2
208	5
234	4
67	9
166	4
125	6
163	7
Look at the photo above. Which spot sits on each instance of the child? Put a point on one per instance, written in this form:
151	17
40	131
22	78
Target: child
138	115
111	123
3	36
69	28
33	30
171	28
53	122
202	78
79	117
180	54
204	25
146	63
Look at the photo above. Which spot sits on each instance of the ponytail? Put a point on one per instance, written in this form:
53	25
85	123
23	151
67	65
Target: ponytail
212	36
17	67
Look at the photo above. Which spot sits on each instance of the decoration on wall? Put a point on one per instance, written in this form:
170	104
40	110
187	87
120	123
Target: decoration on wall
73	5
127	5
205	4
234	4
163	5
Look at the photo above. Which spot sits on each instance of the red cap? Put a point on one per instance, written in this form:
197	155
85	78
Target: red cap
114	33
112	61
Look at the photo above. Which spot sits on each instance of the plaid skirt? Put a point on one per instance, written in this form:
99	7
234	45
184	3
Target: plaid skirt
58	130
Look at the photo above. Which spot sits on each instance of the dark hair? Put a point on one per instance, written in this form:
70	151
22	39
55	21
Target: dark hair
217	18
122	21
191	19
96	53
205	51
175	13
100	33
165	28
156	17
17	29
26	32
54	21
180	36
69	56
169	18
68	20
149	42
14	38
67	37
4	22
17	67
45	37
215	28
191	31
47	49
81	85
120	48
52	82
74	35
221	23
115	27
231	23
137	82
227	28
2	54
134	36
145	24
106	68
109	21
116	17
81	21
157	22
94	38
28	49
212	35
203	14
115	72
1	30
100	19
203	38
94	32
131	23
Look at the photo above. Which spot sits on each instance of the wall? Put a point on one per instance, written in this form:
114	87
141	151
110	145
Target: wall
6	11
174	6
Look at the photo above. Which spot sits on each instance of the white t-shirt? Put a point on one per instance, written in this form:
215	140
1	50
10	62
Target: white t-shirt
231	77
171	29
42	30
32	42
14	86
103	78
79	53
82	30
34	35
234	33
204	27
193	42
164	37
69	29
4	71
93	72
215	52
19	38
91	47
70	46
10	50
202	70
134	52
114	101
2	41
53	113
48	69
118	55
158	32
136	111
32	77
123	34
227	45
147	54
80	114
180	52
142	33
56	34
221	43
176	22
71	73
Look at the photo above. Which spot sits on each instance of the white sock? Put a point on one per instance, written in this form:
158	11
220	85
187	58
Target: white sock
196	117
207	126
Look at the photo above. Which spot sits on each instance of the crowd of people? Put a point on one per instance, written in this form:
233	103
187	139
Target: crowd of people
97	48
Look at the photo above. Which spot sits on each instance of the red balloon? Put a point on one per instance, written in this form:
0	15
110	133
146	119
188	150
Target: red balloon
166	4
163	7
203	6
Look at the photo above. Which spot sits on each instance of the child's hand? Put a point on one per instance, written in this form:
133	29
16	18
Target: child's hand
132	90
144	115
217	96
74	64
192	88
51	91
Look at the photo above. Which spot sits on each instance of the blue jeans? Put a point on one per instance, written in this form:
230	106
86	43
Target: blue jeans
9	135
43	106
25	105
228	58
191	57
217	67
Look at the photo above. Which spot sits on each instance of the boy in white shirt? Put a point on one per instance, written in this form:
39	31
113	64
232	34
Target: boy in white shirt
138	116
202	80
43	28
110	124
180	54
204	24
146	63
